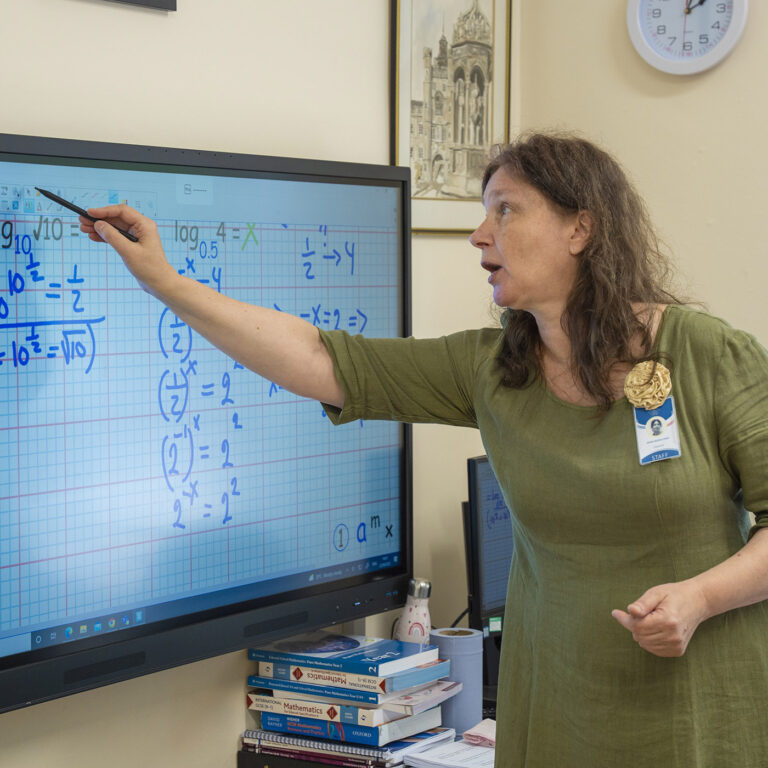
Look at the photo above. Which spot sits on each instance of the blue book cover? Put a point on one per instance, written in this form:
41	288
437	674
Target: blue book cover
376	736
346	653
402	682
327	678
349	694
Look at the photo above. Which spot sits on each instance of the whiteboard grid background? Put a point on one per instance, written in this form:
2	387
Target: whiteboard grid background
86	514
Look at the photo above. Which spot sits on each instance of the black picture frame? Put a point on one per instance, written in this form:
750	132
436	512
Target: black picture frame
160	5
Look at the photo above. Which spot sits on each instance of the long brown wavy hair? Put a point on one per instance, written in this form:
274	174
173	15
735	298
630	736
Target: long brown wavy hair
622	264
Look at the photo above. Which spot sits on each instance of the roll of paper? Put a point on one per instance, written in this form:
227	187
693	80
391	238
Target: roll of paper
464	648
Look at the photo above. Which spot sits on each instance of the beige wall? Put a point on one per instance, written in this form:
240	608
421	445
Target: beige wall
310	79
695	146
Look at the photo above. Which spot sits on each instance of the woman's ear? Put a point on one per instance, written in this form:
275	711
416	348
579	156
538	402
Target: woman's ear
582	232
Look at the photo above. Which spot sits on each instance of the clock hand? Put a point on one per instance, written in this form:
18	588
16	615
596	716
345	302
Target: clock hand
689	7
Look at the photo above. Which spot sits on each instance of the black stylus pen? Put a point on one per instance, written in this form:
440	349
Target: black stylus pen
77	209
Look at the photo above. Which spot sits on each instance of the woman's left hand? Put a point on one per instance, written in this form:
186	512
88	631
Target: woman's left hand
663	620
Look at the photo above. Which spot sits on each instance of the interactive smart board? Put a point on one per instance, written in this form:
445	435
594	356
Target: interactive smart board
144	475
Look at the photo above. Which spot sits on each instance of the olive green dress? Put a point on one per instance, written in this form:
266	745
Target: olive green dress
594	530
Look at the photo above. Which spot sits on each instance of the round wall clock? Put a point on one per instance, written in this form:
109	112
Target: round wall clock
685	36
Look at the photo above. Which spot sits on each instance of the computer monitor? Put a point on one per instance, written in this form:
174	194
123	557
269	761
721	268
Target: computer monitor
489	545
159	503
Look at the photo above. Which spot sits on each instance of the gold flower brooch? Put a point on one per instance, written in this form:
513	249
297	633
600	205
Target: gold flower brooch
648	385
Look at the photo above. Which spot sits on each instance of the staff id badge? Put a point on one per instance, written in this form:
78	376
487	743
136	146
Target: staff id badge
656	432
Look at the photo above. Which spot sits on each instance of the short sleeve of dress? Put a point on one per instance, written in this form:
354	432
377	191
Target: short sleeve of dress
741	401
410	380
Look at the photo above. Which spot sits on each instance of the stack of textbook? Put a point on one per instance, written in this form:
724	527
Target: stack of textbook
326	698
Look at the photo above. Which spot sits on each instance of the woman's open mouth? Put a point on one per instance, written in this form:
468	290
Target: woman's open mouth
492	268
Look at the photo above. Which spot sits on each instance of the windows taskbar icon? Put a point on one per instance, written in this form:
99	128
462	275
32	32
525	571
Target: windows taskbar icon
95	627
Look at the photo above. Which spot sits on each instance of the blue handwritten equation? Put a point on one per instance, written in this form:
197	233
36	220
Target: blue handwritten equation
319	251
191	448
71	336
334	318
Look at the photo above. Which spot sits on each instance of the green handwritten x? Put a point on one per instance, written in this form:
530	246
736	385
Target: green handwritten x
252	234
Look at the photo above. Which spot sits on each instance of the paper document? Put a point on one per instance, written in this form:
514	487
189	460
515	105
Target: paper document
458	754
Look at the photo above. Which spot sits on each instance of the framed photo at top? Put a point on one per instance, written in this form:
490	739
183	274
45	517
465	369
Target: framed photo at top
451	104
162	5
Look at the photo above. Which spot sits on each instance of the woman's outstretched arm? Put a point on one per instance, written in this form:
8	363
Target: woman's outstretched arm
281	347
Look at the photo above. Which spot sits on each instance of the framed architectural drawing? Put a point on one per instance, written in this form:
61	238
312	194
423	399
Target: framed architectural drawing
451	104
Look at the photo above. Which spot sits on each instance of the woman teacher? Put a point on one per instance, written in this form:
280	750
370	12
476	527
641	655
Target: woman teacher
635	630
